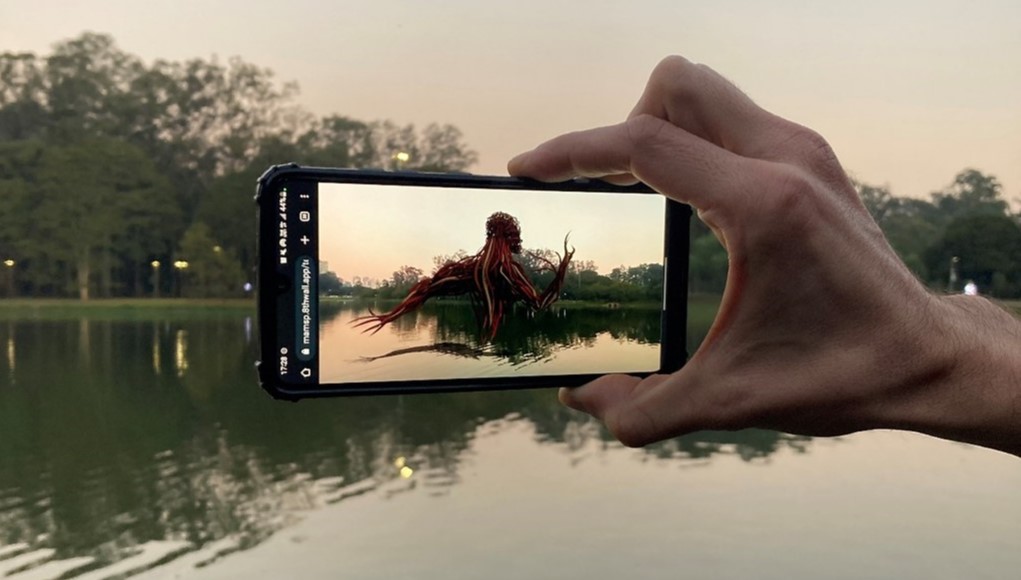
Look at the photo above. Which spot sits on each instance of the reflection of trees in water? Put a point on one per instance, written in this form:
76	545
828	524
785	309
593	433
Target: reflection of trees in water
103	452
525	336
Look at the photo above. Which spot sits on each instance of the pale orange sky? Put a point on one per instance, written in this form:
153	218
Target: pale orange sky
909	92
355	241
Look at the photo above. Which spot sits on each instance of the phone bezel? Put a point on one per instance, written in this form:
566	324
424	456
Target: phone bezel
271	282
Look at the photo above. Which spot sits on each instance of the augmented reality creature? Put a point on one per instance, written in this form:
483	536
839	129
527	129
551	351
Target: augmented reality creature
492	278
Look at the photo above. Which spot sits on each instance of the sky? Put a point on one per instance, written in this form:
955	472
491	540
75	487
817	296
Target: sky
908	92
371	231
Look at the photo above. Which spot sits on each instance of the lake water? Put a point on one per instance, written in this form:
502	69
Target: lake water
441	340
142	446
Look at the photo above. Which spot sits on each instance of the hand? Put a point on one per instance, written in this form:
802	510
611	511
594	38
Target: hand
822	330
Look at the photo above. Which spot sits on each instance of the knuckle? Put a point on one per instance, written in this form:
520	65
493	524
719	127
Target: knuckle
644	129
672	66
813	144
792	193
678	78
817	154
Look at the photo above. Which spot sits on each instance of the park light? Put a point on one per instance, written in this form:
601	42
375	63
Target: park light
9	263
155	264
952	279
217	249
181	264
402	156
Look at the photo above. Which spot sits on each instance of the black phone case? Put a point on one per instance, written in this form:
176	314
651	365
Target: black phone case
674	319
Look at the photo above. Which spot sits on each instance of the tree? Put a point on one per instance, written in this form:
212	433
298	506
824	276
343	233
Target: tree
93	204
206	268
330	284
444	259
987	248
877	200
332	141
972	192
707	265
196	119
438	148
405	277
182	141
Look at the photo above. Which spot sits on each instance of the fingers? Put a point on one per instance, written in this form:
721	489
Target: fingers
622	403
700	100
665	157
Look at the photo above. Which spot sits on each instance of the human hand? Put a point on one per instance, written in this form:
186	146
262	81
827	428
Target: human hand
822	330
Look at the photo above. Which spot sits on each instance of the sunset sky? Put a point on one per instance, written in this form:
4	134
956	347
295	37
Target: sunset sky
371	231
908	92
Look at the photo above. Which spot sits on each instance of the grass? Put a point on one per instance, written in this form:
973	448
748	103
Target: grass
121	308
1014	305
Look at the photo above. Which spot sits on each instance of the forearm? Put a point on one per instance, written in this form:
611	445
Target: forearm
974	379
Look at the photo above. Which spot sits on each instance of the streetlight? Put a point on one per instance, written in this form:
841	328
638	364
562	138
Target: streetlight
9	265
155	278
179	266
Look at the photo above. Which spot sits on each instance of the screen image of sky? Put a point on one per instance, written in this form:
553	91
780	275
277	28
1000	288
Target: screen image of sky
370	231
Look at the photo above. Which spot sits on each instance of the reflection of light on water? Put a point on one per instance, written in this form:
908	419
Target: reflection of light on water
181	352
10	355
248	329
156	351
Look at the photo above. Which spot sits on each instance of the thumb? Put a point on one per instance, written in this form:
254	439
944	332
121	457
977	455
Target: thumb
622	403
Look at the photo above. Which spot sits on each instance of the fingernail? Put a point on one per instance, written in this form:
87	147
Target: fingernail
566	397
514	166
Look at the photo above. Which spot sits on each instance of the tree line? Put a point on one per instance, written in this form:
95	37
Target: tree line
624	284
125	178
120	177
964	232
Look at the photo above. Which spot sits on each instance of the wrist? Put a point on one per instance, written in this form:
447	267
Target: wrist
967	385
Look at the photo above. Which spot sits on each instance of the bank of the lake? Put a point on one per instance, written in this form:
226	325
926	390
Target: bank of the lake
121	308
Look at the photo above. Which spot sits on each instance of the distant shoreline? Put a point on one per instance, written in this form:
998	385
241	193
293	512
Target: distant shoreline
26	306
122	308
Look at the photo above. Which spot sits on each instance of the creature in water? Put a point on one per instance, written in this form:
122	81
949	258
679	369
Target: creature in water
492	279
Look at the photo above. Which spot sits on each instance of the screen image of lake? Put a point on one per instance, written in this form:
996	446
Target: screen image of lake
442	340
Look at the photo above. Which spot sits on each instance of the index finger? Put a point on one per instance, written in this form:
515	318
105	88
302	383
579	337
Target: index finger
665	157
701	101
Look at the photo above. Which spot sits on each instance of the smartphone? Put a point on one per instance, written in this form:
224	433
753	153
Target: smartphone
375	282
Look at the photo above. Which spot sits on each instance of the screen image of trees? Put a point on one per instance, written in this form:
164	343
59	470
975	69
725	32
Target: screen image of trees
624	284
121	177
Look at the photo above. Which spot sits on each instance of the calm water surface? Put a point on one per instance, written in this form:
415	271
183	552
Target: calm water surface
144	448
441	340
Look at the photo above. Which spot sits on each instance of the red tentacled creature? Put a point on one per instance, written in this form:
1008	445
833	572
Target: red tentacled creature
492	278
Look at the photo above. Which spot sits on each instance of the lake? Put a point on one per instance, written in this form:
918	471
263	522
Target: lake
140	445
441	340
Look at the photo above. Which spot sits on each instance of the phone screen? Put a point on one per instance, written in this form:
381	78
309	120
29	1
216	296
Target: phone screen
380	248
450	287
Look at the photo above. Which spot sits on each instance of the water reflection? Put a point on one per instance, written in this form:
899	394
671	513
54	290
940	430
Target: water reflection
442	340
108	458
11	360
181	352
